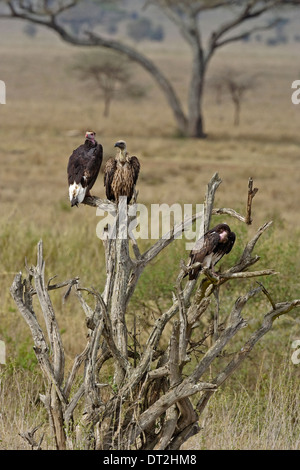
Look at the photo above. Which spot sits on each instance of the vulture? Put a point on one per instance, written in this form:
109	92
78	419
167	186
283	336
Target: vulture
83	168
120	174
209	249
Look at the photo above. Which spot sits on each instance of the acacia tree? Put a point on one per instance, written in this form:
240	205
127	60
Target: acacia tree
162	381
111	75
187	16
236	84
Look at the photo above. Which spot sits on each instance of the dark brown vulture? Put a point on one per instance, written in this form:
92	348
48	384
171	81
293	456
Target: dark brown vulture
120	174
83	168
209	249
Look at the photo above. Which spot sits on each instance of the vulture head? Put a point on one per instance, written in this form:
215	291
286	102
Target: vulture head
90	135
121	144
223	230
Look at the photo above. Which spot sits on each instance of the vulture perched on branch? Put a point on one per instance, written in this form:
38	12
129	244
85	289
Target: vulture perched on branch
120	174
83	168
209	249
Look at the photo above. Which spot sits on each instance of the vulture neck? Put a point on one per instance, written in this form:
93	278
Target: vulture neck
224	237
121	156
89	143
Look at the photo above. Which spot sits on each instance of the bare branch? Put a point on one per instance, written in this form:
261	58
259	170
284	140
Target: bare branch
210	198
163	242
247	34
267	294
28	436
76	365
230	212
251	193
246	258
267	323
247	219
49	316
248	274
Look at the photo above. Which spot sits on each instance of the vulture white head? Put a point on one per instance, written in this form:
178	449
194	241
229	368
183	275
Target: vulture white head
90	135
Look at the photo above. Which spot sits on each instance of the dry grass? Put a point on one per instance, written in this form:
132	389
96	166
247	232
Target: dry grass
20	408
44	103
266	419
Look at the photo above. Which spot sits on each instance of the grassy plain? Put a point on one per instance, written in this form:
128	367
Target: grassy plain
47	111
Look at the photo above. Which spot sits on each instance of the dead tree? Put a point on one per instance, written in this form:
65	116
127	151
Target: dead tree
155	401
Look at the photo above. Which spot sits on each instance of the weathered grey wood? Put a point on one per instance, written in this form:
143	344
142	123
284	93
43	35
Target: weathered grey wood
267	323
38	273
29	437
251	193
53	367
151	384
210	199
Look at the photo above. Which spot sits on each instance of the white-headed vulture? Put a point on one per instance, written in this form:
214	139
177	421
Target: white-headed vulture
83	168
209	249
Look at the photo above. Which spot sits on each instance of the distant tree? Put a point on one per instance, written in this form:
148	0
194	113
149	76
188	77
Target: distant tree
236	84
188	17
111	72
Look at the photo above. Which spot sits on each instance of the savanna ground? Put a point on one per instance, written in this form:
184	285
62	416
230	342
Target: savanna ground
47	111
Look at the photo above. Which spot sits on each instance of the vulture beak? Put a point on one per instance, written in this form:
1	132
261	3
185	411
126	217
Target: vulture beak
120	144
90	136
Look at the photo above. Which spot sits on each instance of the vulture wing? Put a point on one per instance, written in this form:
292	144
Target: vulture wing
230	243
135	164
134	170
93	166
204	250
84	166
109	171
223	248
76	166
